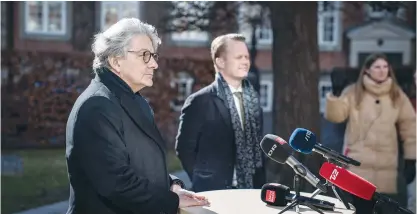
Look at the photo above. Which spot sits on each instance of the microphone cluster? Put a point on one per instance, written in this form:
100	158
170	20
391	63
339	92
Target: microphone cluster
333	171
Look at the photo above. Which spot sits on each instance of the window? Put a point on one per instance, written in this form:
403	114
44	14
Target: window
190	35
324	88
111	12
190	12
395	59
183	83
329	19
265	95
263	31
46	17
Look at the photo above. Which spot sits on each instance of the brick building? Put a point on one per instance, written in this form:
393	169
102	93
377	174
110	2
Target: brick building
46	58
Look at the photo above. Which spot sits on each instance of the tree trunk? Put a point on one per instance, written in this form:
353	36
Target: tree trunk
296	75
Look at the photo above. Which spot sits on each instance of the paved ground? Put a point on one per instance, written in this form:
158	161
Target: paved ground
61	207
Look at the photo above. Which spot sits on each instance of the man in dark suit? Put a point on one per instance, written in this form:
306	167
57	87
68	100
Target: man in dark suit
115	153
219	132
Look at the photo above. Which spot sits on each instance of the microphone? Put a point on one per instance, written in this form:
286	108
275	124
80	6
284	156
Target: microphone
279	151
304	141
355	185
279	195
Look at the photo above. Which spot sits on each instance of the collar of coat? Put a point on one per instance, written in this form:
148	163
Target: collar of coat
377	88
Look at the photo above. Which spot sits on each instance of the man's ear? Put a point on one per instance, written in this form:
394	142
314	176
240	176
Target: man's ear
219	62
114	64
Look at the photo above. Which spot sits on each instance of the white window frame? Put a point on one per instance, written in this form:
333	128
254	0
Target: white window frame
182	78
45	20
322	96
246	29
119	3
265	30
335	13
190	35
269	94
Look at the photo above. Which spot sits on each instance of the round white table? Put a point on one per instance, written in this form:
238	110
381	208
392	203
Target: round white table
245	201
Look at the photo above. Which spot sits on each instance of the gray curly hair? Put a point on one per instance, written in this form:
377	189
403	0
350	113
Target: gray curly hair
116	39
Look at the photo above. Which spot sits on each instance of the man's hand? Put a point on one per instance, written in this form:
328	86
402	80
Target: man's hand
175	188
188	198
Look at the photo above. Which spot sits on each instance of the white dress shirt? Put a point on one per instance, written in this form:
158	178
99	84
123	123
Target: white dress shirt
239	111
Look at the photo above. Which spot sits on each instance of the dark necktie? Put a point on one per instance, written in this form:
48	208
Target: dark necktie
240	98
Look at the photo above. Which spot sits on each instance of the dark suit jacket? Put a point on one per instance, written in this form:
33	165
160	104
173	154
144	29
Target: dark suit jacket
115	154
206	143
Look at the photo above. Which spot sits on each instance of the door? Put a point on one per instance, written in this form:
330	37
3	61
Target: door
395	59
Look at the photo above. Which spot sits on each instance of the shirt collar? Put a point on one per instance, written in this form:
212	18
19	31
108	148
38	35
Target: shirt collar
233	90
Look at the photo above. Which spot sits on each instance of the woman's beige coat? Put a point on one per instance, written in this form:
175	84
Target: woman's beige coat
371	132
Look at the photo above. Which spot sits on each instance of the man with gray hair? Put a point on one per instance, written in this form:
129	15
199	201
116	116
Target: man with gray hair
115	153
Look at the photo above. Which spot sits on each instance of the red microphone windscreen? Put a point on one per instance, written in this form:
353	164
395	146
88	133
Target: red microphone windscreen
347	181
275	194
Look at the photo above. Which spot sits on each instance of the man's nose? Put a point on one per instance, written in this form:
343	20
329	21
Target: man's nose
152	63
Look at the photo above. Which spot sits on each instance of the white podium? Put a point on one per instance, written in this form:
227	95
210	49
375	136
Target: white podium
248	201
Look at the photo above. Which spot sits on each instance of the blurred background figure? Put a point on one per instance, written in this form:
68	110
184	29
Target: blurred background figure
377	112
411	188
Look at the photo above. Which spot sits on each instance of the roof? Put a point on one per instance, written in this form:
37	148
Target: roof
396	27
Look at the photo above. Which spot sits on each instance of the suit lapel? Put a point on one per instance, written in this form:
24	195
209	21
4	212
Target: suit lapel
221	105
224	111
140	119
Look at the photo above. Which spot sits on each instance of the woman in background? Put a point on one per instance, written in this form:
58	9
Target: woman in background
377	111
412	187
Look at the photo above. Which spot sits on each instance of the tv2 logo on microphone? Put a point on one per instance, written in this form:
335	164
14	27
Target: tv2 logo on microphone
270	196
334	174
272	150
308	135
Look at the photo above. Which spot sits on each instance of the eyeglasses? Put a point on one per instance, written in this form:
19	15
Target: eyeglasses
146	55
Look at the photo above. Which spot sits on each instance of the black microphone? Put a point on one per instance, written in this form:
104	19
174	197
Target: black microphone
279	151
279	195
305	142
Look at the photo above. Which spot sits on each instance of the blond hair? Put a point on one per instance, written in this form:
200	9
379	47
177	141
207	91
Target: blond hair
218	45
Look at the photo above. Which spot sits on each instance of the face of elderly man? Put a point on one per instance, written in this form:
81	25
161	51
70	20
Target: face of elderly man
138	65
